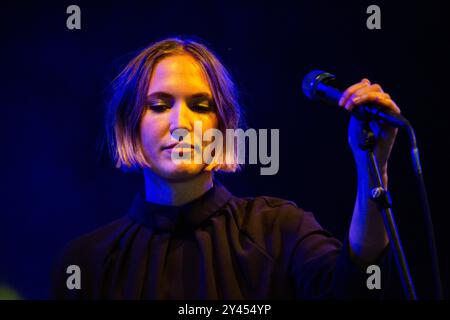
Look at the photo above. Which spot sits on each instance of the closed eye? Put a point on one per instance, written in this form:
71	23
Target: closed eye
202	108
158	107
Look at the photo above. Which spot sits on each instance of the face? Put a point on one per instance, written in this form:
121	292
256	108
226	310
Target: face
178	95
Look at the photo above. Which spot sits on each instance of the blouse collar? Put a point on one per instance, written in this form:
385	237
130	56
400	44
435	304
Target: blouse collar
188	216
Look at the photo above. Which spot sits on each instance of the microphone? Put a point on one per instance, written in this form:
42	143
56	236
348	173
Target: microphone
322	86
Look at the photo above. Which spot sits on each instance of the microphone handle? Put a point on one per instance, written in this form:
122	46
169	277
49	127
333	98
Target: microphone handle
329	90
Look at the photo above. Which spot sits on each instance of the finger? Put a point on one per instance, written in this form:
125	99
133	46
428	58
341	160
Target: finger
373	87
370	97
376	87
362	98
379	98
388	102
352	89
355	98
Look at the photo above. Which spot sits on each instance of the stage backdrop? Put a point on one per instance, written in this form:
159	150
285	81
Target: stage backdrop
57	181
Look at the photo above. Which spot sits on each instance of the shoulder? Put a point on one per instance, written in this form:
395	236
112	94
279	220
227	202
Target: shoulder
268	209
102	238
271	216
87	252
273	225
91	248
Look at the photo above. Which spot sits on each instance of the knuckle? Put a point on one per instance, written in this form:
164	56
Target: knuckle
376	86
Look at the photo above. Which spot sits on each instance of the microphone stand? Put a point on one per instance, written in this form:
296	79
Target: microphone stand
381	196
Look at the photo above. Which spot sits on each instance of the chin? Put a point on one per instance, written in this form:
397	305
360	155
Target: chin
181	171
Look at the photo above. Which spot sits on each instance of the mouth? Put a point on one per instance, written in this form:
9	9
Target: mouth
179	146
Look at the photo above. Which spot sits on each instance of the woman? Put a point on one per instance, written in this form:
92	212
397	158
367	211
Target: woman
187	236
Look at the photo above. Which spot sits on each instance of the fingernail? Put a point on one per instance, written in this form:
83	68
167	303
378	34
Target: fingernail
356	99
348	104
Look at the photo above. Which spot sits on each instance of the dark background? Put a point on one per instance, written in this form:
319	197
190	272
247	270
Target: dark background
58	183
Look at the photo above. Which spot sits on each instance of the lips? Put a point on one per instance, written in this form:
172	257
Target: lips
178	145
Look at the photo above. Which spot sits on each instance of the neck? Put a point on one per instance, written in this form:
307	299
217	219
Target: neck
175	192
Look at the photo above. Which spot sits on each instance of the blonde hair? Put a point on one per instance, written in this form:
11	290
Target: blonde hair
127	104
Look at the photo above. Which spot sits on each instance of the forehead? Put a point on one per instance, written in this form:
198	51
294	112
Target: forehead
178	75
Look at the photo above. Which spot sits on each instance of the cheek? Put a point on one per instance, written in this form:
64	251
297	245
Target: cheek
151	133
210	122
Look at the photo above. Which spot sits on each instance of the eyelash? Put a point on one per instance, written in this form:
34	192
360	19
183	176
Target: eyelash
202	109
159	108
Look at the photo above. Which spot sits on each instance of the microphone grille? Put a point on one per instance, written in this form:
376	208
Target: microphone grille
311	80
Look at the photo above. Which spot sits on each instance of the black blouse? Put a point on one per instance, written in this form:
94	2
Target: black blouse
216	247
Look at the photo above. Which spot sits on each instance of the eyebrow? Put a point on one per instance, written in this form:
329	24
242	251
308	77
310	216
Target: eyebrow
165	95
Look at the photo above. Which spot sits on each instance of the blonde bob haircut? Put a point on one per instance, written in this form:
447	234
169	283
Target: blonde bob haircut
126	106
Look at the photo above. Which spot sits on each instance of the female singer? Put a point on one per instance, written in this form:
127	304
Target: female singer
186	236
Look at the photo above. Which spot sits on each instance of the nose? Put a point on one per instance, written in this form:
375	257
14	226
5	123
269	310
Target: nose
181	117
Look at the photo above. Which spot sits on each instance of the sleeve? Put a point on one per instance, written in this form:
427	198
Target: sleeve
322	267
